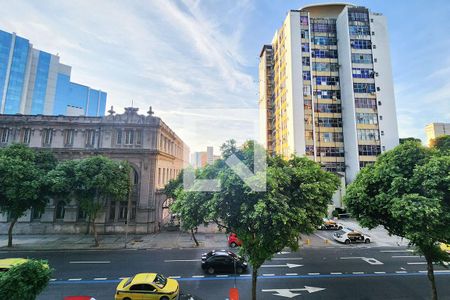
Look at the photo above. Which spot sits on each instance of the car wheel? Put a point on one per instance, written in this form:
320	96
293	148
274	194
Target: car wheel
164	298
340	227
210	270
239	270
347	242
233	245
126	299
367	241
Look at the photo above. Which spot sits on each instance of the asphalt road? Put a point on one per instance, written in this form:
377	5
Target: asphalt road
334	272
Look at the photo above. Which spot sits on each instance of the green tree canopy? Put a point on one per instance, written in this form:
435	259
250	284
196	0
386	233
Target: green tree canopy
25	281
295	201
441	143
407	192
23	183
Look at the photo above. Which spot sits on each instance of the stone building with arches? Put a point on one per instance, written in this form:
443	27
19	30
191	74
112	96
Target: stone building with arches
154	151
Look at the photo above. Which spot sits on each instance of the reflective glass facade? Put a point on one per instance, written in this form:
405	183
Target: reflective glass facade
35	82
17	76
40	85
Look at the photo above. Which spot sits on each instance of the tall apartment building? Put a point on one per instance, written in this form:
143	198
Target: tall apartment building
326	88
34	82
435	130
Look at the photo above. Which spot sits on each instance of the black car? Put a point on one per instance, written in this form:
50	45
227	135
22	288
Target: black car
223	262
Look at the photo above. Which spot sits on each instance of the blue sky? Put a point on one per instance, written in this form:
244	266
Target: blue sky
191	59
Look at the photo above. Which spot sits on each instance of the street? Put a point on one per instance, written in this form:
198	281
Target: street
328	272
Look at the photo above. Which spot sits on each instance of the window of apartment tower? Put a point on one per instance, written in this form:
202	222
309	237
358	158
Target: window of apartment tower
90	138
129	137
47	137
4	135
26	135
68	137
60	210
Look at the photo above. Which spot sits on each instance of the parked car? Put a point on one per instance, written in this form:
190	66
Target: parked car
79	298
233	241
348	235
330	225
151	286
222	261
445	247
8	263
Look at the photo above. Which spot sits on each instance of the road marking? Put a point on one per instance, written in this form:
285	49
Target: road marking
437	271
287	258
100	278
406	256
369	260
357	272
291	293
290	266
268	274
284	252
182	260
198	276
90	262
313	273
380	272
174	277
245	275
395	251
336	273
417	263
221	275
291	274
53	279
74	279
122	278
401	272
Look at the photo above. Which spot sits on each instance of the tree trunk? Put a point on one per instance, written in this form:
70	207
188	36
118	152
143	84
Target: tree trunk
13	222
88	227
95	232
254	278
430	270
194	238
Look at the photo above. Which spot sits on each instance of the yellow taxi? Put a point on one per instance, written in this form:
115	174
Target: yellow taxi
147	286
8	263
445	247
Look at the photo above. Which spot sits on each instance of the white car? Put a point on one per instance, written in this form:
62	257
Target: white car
348	235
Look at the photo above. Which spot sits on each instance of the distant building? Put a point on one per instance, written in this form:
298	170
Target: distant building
34	82
201	159
326	88
435	130
154	151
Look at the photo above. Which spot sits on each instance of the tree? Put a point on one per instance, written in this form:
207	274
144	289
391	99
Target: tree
92	182
407	192
296	199
409	139
22	182
441	143
25	281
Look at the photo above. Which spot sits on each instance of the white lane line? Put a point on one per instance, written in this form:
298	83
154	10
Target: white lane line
74	279
313	273
358	272
336	273
268	274
198	276
90	262
437	271
287	258
417	263
406	256
122	278
291	274
395	251
53	279
401	272
245	275
174	277
100	278
380	272
182	260
221	275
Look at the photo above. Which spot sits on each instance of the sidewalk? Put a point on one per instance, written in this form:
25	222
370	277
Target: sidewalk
109	242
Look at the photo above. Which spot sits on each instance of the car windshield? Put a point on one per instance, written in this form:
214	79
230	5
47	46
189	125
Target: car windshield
340	232
128	281
160	280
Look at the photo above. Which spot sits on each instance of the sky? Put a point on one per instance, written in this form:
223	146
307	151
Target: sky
196	62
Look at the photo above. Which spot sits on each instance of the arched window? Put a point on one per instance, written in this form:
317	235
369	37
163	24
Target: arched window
135	177
60	210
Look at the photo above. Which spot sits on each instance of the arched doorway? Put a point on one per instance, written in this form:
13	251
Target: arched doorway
170	221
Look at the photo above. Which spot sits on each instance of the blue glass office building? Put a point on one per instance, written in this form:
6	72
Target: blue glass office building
35	82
